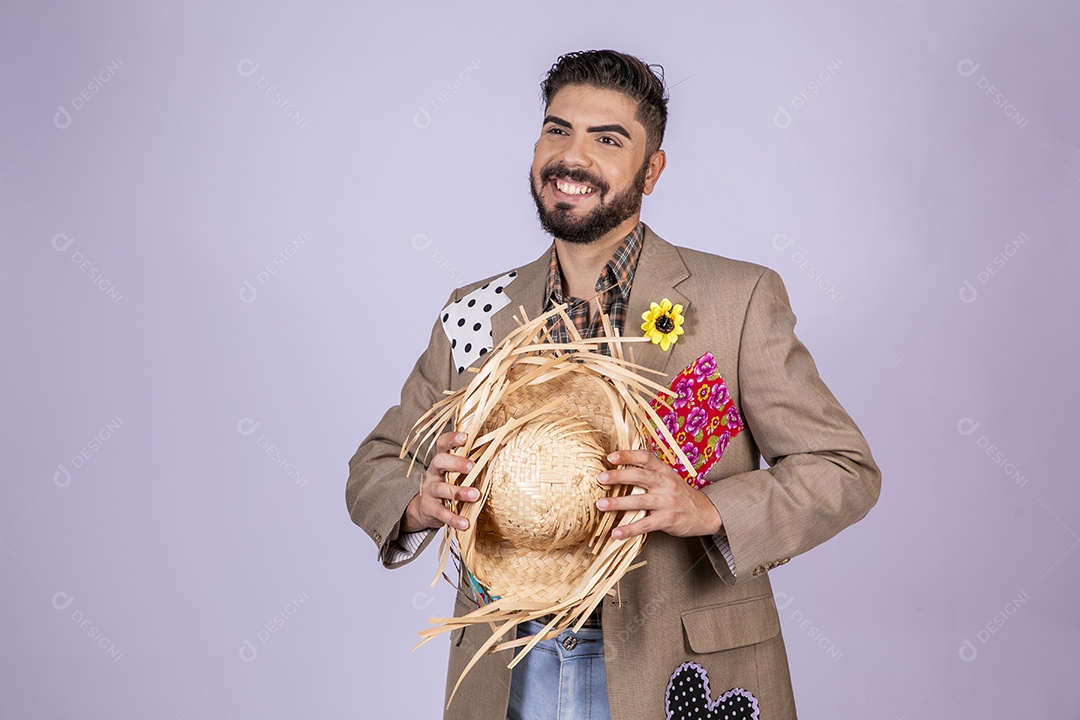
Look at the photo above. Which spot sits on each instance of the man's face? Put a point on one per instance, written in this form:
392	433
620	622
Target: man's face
589	170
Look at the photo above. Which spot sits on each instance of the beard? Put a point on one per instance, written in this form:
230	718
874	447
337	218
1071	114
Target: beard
605	217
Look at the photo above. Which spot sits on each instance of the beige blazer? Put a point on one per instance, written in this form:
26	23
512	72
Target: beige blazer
684	605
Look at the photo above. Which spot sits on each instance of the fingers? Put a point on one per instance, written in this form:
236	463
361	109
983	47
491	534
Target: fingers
651	503
683	513
639	467
435	492
659	491
654	507
645	525
450	440
444	516
635	501
638	458
426	510
628	476
445	462
659	514
445	491
433	508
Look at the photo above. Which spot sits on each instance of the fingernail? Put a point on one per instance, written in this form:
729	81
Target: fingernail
602	503
612	456
463	524
602	477
474	494
460	437
470	466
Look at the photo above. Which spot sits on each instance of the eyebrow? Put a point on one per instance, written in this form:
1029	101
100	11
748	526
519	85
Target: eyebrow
612	127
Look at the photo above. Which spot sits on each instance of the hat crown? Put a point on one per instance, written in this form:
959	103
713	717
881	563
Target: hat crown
543	489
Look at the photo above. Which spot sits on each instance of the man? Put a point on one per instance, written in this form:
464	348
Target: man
696	627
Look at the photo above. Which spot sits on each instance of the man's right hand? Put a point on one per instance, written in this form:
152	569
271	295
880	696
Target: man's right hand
426	509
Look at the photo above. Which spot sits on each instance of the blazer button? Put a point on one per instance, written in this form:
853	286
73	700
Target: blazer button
768	566
377	537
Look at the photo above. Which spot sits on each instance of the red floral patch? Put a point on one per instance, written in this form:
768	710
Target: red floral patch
702	417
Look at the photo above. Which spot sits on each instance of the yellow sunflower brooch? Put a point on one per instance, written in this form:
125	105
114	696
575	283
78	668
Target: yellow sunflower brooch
663	323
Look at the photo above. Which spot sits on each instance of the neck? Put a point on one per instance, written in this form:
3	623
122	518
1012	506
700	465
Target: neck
581	264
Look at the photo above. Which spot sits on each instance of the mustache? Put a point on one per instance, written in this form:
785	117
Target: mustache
558	169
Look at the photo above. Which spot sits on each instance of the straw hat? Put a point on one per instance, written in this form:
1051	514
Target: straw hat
541	418
542	488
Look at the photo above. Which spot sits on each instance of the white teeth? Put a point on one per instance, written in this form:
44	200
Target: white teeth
572	189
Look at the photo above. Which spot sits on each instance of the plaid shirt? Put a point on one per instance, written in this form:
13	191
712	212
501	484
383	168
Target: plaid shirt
612	287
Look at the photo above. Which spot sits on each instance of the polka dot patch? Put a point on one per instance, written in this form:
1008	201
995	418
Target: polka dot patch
467	321
688	698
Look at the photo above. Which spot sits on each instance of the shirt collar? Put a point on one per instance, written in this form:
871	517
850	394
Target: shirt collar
617	275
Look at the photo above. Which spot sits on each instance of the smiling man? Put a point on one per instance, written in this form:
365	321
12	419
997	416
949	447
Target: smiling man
695	631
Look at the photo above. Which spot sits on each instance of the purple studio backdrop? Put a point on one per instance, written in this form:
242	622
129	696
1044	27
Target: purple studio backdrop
228	228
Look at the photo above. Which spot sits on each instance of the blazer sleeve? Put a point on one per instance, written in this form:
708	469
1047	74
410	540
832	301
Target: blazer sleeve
821	478
379	485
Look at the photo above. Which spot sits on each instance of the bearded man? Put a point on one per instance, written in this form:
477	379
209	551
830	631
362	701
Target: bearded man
695	631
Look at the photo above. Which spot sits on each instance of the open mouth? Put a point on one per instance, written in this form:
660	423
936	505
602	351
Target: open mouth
571	188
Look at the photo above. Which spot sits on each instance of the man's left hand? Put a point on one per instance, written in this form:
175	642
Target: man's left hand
673	506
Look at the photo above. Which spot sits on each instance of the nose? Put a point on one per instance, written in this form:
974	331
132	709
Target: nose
576	151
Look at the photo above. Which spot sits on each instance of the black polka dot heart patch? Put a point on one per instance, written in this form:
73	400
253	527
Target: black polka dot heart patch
467	321
688	698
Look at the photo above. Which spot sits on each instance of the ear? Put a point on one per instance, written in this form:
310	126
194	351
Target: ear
657	163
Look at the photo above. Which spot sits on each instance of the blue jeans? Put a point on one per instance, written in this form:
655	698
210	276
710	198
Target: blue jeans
560	679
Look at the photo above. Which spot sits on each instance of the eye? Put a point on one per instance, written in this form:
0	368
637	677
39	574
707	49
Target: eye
608	140
555	129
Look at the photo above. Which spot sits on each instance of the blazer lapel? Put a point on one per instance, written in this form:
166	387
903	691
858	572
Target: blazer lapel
660	268
527	290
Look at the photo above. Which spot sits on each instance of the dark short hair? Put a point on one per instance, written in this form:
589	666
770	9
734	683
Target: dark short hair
611	70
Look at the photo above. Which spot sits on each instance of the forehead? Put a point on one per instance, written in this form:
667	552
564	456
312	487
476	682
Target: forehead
595	106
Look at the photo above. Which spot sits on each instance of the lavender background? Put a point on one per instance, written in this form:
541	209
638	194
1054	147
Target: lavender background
228	229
